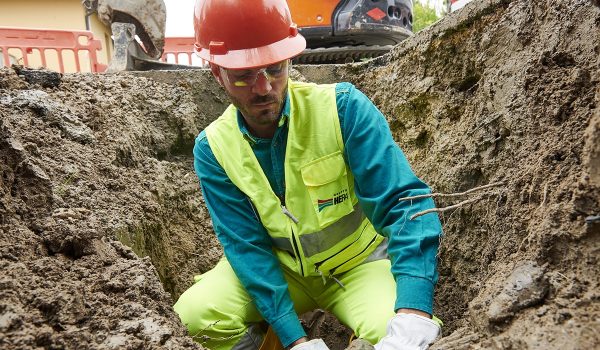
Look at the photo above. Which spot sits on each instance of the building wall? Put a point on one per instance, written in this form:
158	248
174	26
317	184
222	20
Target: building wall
56	14
102	33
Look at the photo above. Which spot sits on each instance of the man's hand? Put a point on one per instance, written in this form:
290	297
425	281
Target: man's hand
409	331
315	344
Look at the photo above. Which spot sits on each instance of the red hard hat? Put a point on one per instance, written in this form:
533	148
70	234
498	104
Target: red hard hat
241	34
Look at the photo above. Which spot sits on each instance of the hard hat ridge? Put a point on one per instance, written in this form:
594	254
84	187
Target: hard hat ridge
239	34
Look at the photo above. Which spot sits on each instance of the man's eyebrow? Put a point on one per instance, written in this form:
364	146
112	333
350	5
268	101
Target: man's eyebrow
242	71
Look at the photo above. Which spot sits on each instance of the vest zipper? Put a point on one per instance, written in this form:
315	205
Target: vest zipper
289	214
331	277
297	253
322	275
294	244
338	281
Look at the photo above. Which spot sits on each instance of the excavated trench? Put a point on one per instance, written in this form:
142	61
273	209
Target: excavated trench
102	223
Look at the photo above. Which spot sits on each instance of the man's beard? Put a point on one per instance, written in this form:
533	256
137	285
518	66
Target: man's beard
261	117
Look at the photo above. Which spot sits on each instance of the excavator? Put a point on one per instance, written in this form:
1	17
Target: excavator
340	31
336	31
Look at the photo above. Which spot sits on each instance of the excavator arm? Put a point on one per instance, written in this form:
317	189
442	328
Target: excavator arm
138	29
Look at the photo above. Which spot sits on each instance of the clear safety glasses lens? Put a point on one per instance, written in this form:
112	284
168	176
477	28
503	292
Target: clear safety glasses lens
248	77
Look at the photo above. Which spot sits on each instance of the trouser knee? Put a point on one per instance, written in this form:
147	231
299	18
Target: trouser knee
215	319
208	325
198	317
373	331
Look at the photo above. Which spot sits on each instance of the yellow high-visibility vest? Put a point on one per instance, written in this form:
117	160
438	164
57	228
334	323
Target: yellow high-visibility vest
320	229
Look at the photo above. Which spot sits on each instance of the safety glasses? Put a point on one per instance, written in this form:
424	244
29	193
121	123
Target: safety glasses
248	77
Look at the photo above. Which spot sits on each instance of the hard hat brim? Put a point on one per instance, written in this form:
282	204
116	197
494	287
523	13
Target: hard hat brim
256	57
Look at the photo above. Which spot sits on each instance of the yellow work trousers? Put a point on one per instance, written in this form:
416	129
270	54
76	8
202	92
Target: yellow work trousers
220	314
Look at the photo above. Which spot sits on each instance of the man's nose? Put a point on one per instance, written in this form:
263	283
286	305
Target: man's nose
262	85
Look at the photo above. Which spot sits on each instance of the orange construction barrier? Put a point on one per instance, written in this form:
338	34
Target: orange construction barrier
176	46
34	46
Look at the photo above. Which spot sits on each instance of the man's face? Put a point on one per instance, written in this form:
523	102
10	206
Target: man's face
258	93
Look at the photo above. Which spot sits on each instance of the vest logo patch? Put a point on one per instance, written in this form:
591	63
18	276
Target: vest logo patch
338	198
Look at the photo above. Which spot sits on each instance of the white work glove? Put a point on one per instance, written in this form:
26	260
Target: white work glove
409	332
314	344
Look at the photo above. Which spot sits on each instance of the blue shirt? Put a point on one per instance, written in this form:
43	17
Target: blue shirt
382	175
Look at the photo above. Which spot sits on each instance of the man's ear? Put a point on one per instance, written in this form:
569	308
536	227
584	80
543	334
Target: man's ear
216	72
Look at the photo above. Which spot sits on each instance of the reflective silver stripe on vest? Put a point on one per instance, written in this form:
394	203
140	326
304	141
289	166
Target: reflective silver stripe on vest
379	253
317	242
283	244
320	241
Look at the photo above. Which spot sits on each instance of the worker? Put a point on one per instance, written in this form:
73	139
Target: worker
302	182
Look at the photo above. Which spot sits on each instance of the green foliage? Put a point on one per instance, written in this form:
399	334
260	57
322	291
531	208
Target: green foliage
423	16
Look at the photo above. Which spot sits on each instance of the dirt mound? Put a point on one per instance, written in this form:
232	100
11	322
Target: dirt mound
506	92
102	223
87	161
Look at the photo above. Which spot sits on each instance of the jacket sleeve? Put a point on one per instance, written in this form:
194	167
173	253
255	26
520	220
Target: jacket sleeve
244	240
382	175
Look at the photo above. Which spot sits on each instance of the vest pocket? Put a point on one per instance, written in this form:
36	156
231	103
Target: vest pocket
327	184
365	241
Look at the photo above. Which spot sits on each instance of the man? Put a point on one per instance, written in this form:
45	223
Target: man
302	182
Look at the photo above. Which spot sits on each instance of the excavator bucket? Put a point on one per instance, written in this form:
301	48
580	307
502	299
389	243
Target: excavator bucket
149	18
129	21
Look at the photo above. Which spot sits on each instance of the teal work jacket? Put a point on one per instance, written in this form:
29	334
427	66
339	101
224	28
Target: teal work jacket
381	175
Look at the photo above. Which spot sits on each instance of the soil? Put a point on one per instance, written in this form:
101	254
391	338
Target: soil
103	226
99	205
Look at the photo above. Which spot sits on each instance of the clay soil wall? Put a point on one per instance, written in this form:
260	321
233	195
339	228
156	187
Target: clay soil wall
102	223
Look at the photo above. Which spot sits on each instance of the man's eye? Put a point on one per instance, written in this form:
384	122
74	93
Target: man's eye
274	71
243	76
